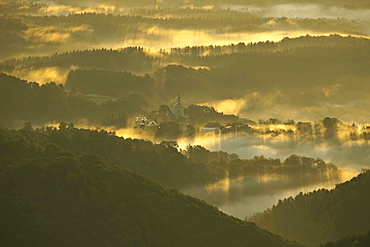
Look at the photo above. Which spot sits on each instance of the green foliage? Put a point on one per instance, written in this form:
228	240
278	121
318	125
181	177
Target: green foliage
201	114
352	241
31	102
166	164
103	82
22	101
54	198
322	215
168	130
320	69
115	119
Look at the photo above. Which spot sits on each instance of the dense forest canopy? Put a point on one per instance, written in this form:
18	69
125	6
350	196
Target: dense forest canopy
352	240
324	215
166	164
23	101
43	32
50	196
308	77
360	3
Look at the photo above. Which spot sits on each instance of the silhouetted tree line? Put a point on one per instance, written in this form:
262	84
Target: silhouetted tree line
180	3
164	163
189	12
133	59
342	3
23	101
97	29
319	216
305	65
358	240
21	8
201	114
331	41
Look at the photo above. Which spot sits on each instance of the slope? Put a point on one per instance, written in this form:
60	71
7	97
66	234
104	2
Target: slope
321	216
53	198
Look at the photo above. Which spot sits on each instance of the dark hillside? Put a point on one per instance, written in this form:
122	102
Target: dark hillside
195	165
49	197
321	216
359	240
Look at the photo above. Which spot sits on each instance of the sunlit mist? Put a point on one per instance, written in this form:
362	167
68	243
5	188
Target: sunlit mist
43	75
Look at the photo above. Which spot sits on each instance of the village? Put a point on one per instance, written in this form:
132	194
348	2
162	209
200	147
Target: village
171	122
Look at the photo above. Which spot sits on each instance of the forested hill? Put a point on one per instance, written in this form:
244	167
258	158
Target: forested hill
138	59
165	164
354	3
22	101
303	72
322	215
359	240
50	197
268	2
46	34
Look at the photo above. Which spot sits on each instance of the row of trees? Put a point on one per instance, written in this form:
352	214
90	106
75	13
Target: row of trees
76	31
355	3
327	68
193	166
121	59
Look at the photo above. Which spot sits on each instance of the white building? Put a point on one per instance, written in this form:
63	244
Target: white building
212	126
141	122
177	108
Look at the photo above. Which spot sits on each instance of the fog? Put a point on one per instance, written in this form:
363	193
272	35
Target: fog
344	153
65	9
50	34
244	200
46	39
241	199
309	11
348	107
43	75
159	38
51	39
244	196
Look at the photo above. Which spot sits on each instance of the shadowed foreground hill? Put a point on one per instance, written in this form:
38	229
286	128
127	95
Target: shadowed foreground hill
57	199
321	216
353	241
